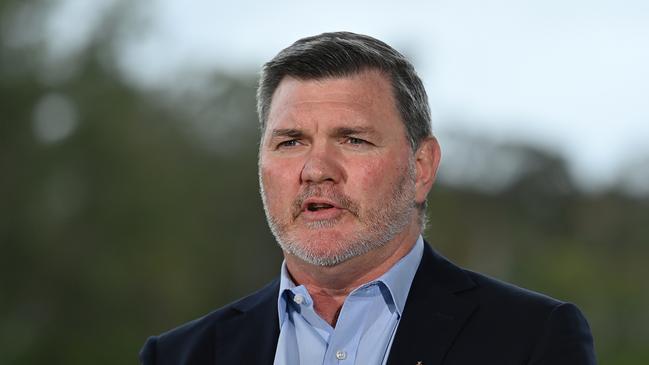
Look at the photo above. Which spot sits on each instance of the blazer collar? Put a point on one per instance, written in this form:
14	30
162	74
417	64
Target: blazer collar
251	334
434	313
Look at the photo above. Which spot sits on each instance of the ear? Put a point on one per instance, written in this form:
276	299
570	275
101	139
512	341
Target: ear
427	160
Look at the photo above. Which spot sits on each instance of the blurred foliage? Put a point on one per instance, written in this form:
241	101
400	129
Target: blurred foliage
127	211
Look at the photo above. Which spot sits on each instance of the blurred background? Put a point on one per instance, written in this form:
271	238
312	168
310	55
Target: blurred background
128	136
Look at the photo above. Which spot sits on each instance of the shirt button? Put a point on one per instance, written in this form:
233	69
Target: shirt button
299	299
341	355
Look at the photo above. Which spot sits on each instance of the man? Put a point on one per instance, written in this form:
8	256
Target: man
346	161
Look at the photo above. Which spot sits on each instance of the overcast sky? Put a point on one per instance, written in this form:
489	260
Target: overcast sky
571	76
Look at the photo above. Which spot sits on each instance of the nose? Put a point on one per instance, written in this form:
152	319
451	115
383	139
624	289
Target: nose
321	165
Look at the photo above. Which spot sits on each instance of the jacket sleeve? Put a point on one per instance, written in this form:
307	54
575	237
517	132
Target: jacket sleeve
566	339
148	351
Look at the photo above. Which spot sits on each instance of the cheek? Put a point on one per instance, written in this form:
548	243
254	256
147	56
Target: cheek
278	180
373	179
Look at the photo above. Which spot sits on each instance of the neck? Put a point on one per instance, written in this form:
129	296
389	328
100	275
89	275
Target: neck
329	286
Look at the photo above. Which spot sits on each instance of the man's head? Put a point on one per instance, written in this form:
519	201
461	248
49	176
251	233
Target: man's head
346	156
341	54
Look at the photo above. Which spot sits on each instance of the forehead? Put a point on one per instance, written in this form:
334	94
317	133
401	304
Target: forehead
366	95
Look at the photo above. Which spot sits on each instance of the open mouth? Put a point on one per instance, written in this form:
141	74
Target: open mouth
314	207
320	209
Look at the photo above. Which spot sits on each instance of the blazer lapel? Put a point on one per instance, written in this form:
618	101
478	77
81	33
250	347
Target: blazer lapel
250	337
434	314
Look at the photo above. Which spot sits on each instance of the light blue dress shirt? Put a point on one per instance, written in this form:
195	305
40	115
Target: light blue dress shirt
366	324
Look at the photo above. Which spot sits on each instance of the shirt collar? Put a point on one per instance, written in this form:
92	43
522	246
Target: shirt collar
286	285
397	279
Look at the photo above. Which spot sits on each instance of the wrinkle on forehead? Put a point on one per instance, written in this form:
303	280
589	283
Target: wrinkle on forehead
368	91
352	88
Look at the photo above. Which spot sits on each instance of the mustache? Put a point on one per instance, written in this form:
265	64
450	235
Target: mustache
329	193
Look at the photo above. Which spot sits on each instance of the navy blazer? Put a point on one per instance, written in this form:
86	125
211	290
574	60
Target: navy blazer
452	317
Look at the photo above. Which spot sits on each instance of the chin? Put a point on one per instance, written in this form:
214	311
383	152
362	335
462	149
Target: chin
326	247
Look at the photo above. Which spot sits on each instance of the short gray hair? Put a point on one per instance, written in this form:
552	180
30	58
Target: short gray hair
340	54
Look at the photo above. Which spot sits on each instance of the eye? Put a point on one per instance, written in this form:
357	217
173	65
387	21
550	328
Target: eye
289	143
355	141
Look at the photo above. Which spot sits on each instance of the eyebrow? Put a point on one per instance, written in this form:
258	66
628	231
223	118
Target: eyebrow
287	132
346	131
337	132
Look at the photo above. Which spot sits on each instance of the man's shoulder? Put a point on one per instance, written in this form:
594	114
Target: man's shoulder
498	304
486	291
534	325
496	320
199	336
523	312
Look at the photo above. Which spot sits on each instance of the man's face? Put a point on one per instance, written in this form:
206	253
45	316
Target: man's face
337	173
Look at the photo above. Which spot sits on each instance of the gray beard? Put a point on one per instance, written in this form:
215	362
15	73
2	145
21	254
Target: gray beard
380	226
